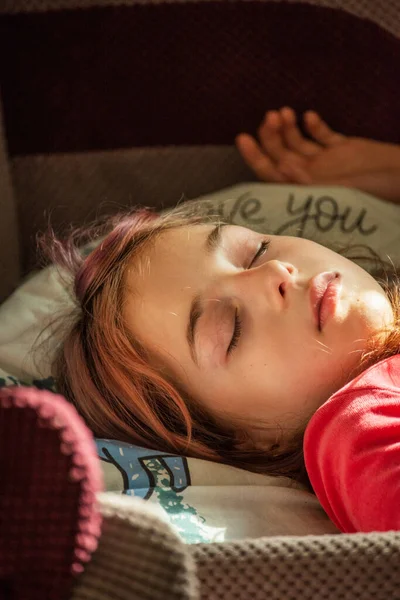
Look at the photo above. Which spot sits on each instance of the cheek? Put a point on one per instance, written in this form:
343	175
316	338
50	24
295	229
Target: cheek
375	311
295	376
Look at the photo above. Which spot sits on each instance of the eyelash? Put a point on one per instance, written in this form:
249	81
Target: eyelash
261	250
237	330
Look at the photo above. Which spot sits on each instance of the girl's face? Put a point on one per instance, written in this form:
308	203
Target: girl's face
238	325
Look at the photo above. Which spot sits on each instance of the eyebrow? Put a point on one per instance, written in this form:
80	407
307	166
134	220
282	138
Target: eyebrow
213	242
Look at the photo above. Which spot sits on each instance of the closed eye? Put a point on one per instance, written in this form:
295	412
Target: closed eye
237	329
263	247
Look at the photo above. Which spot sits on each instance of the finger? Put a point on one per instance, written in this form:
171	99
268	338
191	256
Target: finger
293	137
270	135
295	173
320	131
257	160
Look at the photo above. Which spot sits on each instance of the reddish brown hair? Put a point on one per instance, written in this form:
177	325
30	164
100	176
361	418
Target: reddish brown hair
109	376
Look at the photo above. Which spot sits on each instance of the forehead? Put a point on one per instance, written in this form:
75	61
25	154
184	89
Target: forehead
160	284
169	258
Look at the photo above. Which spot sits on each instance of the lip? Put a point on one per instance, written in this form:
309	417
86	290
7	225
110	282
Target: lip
324	296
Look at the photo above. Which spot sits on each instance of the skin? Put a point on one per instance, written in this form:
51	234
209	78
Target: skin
280	153
283	368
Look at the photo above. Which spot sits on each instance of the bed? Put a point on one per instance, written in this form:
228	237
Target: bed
109	103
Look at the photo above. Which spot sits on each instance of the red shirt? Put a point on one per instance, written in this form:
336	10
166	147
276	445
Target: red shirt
352	451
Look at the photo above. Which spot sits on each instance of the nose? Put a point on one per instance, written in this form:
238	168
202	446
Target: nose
270	281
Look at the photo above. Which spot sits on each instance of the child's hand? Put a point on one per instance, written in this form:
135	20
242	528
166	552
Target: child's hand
283	155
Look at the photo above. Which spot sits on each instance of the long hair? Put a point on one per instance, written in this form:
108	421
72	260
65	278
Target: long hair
109	376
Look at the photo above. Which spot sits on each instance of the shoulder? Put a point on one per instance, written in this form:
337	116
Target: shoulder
385	373
378	384
350	446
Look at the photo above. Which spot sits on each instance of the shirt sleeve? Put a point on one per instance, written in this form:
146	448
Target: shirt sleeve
352	451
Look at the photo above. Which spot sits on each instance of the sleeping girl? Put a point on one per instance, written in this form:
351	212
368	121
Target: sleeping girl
269	353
